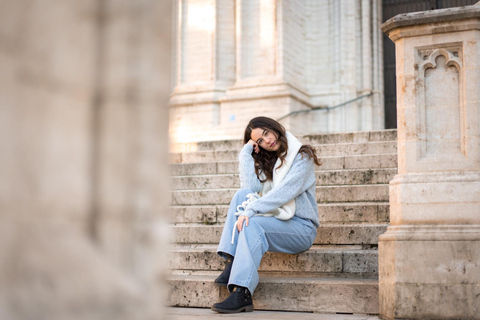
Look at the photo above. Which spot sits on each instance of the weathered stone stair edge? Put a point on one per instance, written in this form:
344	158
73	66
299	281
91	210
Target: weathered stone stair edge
298	274
315	260
358	233
282	293
350	212
318	146
317	187
381	147
388	160
353	193
358	203
323	247
324	177
330	138
318	170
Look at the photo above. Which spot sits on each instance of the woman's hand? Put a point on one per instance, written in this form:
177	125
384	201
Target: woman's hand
240	222
256	148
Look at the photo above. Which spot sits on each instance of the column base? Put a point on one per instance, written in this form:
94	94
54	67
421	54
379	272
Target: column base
429	258
430	272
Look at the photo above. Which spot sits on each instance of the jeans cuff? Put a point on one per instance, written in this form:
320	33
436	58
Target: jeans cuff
223	253
239	284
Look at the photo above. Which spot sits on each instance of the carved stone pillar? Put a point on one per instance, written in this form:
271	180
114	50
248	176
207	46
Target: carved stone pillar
429	258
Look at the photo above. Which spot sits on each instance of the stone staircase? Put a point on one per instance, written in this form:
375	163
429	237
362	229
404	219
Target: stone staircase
339	274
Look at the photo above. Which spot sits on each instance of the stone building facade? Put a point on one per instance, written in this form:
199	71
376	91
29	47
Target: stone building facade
236	59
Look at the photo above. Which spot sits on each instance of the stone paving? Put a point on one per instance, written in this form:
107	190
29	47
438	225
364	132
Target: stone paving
205	314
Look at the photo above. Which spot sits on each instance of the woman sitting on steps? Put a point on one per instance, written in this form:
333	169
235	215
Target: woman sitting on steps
275	210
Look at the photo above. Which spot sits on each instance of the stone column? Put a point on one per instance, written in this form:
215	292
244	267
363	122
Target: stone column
205	65
429	258
271	63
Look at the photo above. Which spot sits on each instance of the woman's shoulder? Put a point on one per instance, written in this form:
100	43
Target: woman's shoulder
303	158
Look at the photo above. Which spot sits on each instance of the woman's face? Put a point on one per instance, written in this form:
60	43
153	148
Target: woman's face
265	138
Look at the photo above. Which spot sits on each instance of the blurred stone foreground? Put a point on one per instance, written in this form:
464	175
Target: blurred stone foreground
84	87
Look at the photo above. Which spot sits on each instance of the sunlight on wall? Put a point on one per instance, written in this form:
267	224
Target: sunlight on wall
267	25
182	134
202	17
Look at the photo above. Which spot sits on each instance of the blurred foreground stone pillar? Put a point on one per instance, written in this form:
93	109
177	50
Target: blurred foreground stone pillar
429	258
84	87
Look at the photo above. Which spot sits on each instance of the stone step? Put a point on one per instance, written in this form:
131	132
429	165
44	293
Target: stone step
349	137
353	212
348	193
292	293
202	168
356	193
332	259
355	176
328	233
331	177
375	161
340	149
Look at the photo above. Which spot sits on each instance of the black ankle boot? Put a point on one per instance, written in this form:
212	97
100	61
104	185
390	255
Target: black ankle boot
239	300
222	279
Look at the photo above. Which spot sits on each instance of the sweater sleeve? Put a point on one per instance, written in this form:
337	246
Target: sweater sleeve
248	177
298	179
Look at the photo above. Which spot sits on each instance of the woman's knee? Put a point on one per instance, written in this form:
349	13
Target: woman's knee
255	233
253	226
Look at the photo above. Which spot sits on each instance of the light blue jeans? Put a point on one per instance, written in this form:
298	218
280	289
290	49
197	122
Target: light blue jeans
262	234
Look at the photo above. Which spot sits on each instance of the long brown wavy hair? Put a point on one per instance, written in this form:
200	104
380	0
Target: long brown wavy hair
265	160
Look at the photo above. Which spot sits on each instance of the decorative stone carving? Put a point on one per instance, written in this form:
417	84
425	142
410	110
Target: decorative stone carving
439	85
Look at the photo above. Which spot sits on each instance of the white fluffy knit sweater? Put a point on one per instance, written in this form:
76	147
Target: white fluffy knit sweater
299	184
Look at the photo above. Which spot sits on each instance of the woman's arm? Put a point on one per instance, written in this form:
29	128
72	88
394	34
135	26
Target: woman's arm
248	178
298	179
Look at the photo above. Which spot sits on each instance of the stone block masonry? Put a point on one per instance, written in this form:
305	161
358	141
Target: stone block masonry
235	60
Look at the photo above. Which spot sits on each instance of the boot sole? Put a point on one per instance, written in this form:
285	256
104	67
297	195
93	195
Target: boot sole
245	308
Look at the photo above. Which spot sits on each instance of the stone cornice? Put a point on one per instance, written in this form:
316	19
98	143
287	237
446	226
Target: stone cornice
430	17
187	97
